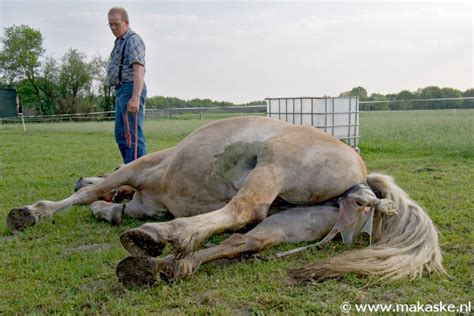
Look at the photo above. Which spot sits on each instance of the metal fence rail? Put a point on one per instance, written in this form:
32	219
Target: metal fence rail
218	109
77	117
110	115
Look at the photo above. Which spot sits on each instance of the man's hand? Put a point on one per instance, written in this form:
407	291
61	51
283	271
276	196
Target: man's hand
133	104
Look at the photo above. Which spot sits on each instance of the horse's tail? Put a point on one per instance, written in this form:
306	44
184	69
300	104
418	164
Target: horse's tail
406	243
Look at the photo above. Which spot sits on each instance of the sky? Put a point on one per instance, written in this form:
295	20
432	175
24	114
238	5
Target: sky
241	51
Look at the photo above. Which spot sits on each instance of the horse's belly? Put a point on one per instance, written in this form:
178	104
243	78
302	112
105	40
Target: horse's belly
206	178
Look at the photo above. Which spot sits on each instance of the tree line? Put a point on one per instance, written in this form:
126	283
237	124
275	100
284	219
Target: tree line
76	84
161	102
407	100
45	85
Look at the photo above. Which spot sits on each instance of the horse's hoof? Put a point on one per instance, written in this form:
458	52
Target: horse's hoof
117	215
174	270
136	272
141	243
81	183
123	193
20	218
167	270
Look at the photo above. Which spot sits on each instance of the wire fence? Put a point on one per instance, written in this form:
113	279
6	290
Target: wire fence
458	103
149	114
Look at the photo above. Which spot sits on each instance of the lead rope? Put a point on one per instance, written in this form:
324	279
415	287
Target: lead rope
128	135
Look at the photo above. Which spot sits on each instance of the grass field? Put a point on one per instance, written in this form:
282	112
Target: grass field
67	265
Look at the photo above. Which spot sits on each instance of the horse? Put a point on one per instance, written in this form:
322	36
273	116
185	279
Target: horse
234	172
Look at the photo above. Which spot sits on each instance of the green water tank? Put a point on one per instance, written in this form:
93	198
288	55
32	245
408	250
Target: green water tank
8	102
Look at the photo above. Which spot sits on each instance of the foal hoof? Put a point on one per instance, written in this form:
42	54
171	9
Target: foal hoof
136	272
20	218
141	243
173	270
81	183
117	215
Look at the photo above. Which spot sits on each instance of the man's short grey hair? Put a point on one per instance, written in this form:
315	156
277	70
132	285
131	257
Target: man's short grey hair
119	10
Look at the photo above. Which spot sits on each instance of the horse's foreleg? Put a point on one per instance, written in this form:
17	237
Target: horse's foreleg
295	225
250	204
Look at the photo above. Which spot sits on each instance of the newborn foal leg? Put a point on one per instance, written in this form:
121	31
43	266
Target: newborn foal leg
295	225
139	207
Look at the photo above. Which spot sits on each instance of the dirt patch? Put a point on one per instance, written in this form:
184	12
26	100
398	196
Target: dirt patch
243	311
89	247
428	169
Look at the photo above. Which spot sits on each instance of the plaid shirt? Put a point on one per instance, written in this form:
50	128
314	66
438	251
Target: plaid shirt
134	53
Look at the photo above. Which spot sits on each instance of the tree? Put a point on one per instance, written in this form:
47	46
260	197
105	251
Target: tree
468	104
22	47
430	92
100	84
47	102
27	96
356	92
405	95
261	102
74	79
451	93
49	85
382	106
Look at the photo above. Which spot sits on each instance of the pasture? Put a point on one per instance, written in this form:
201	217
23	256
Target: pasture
67	265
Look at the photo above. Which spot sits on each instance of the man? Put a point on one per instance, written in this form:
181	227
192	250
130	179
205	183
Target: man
126	71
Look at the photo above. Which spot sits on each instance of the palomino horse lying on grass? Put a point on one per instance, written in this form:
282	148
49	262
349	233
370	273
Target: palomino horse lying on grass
229	174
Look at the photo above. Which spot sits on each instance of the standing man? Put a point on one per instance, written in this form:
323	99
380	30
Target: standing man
126	71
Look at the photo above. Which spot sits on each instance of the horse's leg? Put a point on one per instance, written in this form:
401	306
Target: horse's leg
131	174
136	208
251	204
117	194
108	211
294	225
83	182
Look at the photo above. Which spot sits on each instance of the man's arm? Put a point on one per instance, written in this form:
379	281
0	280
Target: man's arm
138	82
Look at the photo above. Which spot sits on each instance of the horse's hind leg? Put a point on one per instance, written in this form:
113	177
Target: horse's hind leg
294	225
250	204
23	217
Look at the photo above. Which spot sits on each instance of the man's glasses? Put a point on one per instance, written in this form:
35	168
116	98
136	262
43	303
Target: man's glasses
115	24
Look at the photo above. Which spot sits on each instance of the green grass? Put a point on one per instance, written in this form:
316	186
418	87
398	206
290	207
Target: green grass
67	265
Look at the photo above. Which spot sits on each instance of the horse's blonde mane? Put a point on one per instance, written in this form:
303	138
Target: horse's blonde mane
406	243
